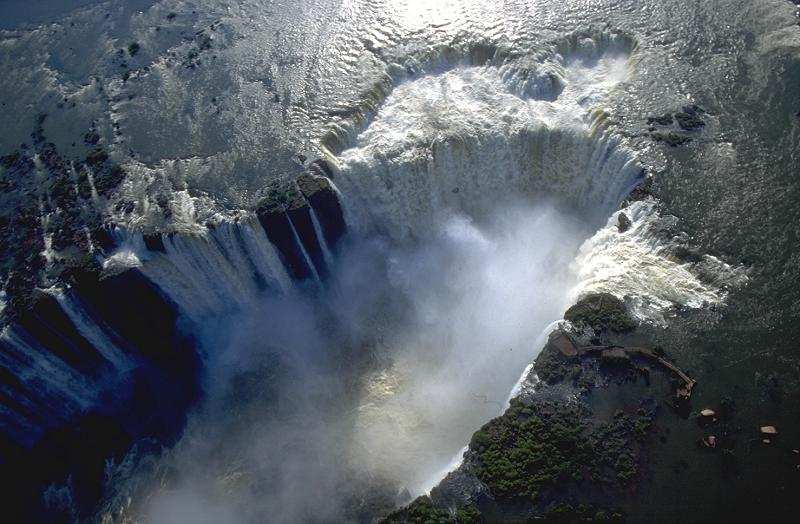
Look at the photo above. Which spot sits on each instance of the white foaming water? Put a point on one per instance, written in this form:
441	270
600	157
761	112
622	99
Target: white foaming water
479	296
446	324
210	271
326	250
483	184
91	331
465	140
298	242
472	139
60	390
637	264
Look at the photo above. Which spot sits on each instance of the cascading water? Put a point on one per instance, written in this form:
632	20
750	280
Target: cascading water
280	259
370	311
467	198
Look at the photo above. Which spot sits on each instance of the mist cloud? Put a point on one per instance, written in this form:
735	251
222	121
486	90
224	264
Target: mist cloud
325	405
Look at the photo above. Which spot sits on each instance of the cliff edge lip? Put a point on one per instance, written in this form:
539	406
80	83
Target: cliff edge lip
541	73
52	213
303	218
576	440
300	215
58	239
88	346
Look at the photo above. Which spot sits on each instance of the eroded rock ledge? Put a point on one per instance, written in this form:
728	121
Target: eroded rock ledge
56	228
573	444
288	214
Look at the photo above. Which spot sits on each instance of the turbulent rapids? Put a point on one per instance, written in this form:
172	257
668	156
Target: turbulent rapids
466	197
320	343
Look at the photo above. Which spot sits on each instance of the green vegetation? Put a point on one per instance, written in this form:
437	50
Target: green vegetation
281	196
534	451
10	159
422	511
527	451
96	157
133	48
552	367
107	180
689	120
602	312
67	202
564	512
671	138
468	515
662	120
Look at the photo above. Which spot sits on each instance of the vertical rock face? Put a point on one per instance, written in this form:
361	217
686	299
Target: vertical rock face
323	199
46	325
66	403
274	214
288	214
93	360
137	316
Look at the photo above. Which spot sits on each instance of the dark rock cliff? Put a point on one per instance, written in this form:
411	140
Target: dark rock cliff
287	214
65	405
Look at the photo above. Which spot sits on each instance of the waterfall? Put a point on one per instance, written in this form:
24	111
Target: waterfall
91	331
309	263
222	268
429	155
44	390
78	342
326	251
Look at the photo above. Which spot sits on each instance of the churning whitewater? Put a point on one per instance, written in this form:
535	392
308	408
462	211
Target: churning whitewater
302	292
480	203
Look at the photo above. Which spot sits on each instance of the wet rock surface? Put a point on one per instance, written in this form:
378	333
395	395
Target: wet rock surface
302	217
623	223
51	213
53	233
569	448
149	400
690	118
677	128
595	429
758	333
55	229
670	138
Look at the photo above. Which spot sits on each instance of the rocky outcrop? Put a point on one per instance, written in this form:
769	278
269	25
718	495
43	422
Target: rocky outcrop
88	363
94	360
689	118
298	245
623	223
621	355
601	312
675	129
671	138
46	435
50	218
574	443
321	196
303	219
551	456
